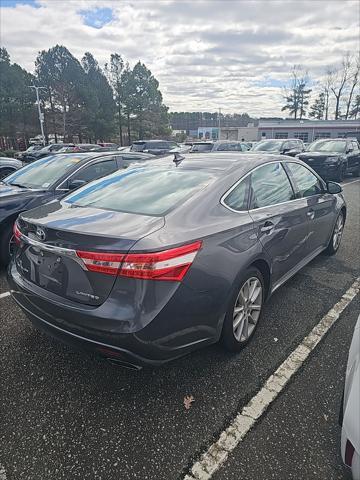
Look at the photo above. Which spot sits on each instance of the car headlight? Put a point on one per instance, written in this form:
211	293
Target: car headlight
333	160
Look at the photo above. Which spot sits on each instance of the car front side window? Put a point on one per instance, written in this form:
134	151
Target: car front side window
94	171
270	185
307	183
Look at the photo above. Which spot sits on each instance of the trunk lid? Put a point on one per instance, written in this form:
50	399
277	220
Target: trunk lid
54	232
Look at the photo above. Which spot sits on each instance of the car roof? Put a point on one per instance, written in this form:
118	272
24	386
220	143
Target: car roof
226	162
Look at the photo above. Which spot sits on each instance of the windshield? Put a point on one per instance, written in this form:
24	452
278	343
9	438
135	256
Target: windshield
137	147
201	147
337	146
143	191
267	146
44	172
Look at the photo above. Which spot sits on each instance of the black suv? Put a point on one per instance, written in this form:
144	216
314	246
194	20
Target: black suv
333	158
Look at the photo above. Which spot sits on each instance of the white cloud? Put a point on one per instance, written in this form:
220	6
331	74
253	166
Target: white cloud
206	54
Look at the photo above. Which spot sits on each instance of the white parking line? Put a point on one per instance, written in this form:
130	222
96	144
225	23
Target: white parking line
218	452
3	295
349	183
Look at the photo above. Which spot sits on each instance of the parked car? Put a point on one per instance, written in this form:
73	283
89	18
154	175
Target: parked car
44	151
350	432
109	146
290	146
146	265
155	147
8	166
49	178
29	151
333	159
201	147
80	147
229	146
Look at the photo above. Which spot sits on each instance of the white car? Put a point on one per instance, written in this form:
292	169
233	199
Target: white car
350	433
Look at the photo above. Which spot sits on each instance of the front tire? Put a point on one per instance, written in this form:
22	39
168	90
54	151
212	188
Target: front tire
340	174
244	310
336	236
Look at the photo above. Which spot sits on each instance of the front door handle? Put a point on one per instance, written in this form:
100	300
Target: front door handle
311	214
268	227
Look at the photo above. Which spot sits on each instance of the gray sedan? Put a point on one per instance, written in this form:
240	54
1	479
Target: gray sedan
146	265
8	165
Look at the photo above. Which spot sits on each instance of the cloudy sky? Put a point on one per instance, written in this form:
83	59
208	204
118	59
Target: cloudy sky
206	54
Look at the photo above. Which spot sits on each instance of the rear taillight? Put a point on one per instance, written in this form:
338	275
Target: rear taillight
108	263
349	453
17	233
168	265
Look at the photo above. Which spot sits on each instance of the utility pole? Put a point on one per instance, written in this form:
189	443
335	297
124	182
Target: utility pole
41	115
219	123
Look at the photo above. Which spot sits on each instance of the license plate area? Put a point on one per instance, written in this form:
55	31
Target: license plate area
44	268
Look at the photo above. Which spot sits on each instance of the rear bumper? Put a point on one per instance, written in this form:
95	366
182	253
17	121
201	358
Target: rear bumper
84	328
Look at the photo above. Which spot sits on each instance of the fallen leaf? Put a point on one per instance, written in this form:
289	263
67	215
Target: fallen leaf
188	400
326	417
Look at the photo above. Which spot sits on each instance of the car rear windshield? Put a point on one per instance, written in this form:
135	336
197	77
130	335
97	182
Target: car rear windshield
201	147
267	146
44	172
144	191
137	147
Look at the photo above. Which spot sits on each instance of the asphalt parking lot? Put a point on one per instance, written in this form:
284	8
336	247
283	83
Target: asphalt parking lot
65	415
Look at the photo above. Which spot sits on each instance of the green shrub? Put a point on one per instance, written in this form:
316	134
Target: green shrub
8	153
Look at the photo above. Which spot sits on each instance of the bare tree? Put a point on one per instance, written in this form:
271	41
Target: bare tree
338	79
353	84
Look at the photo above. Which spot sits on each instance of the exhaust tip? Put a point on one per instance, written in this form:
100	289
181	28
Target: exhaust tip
121	363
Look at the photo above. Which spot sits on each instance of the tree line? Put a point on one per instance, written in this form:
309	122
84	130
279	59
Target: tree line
80	99
338	96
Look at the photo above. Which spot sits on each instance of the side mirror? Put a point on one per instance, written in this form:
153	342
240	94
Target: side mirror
292	152
333	187
76	184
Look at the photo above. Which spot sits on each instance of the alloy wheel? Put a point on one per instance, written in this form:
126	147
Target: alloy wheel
247	309
338	231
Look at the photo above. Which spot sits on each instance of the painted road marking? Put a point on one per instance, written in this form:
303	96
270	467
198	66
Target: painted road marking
3	295
349	183
218	452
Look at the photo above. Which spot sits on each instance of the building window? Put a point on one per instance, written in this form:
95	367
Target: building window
304	136
281	135
322	135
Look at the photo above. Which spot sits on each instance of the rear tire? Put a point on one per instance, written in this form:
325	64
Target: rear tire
336	236
5	238
244	310
356	173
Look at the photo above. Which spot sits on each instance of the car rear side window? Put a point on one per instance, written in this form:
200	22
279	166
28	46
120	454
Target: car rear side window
307	183
270	185
237	199
144	191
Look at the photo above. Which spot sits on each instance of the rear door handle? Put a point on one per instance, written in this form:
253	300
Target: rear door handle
311	214
268	227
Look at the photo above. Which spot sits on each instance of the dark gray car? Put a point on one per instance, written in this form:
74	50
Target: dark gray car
146	265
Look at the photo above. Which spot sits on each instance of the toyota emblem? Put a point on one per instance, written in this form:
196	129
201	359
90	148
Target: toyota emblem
40	233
